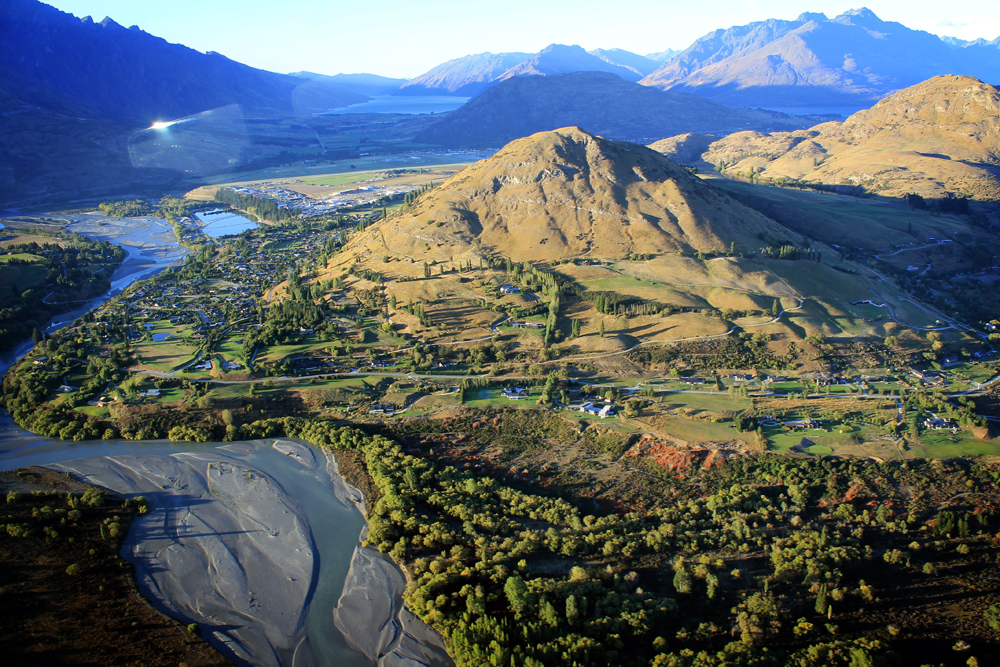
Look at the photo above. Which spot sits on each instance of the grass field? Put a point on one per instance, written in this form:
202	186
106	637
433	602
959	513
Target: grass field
164	356
946	445
21	256
24	276
27	238
869	222
436	174
356	169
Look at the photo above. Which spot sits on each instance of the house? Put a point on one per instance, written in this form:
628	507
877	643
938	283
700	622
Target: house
510	289
65	389
743	377
950	361
151	393
527	325
516	393
938	424
602	411
382	409
692	380
777	378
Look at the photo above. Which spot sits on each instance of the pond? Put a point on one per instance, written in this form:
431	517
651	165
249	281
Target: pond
224	223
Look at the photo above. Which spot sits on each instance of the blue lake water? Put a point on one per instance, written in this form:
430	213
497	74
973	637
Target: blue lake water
815	111
160	337
224	223
405	104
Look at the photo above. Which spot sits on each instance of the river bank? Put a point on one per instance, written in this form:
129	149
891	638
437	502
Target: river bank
258	542
255	540
370	612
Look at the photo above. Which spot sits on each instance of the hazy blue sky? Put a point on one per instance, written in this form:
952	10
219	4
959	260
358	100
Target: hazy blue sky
404	38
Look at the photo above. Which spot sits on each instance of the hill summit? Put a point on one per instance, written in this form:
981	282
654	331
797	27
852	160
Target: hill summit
935	138
851	60
567	193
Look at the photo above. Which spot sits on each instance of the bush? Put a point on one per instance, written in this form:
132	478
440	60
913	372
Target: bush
74	569
992	616
193	628
93	497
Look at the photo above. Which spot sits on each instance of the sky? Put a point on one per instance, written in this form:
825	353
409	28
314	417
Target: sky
403	38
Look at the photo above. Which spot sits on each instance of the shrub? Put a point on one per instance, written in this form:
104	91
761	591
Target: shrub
93	497
992	616
74	569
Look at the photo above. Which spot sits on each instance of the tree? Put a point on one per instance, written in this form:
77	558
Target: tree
549	615
821	604
573	610
890	341
517	593
600	329
36	336
682	578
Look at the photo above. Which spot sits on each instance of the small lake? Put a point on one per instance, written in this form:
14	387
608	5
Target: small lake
816	111
405	104
224	223
160	337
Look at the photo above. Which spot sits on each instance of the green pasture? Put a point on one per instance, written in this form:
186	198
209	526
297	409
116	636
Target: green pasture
493	396
698	430
717	402
943	444
975	372
22	256
844	220
164	356
94	411
22	275
278	353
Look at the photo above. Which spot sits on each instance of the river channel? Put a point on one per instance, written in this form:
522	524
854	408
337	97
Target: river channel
256	541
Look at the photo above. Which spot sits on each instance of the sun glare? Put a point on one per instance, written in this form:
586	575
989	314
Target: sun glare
162	124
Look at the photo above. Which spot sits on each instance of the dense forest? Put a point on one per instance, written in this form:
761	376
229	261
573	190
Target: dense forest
42	279
768	560
262	206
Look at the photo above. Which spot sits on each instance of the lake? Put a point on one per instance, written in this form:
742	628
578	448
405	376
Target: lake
405	104
223	223
816	111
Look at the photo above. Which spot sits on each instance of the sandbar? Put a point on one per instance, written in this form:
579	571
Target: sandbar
223	545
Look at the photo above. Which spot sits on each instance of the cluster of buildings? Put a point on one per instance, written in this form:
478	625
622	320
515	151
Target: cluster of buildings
290	199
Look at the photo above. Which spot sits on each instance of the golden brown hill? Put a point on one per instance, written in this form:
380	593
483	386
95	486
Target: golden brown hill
564	194
940	136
